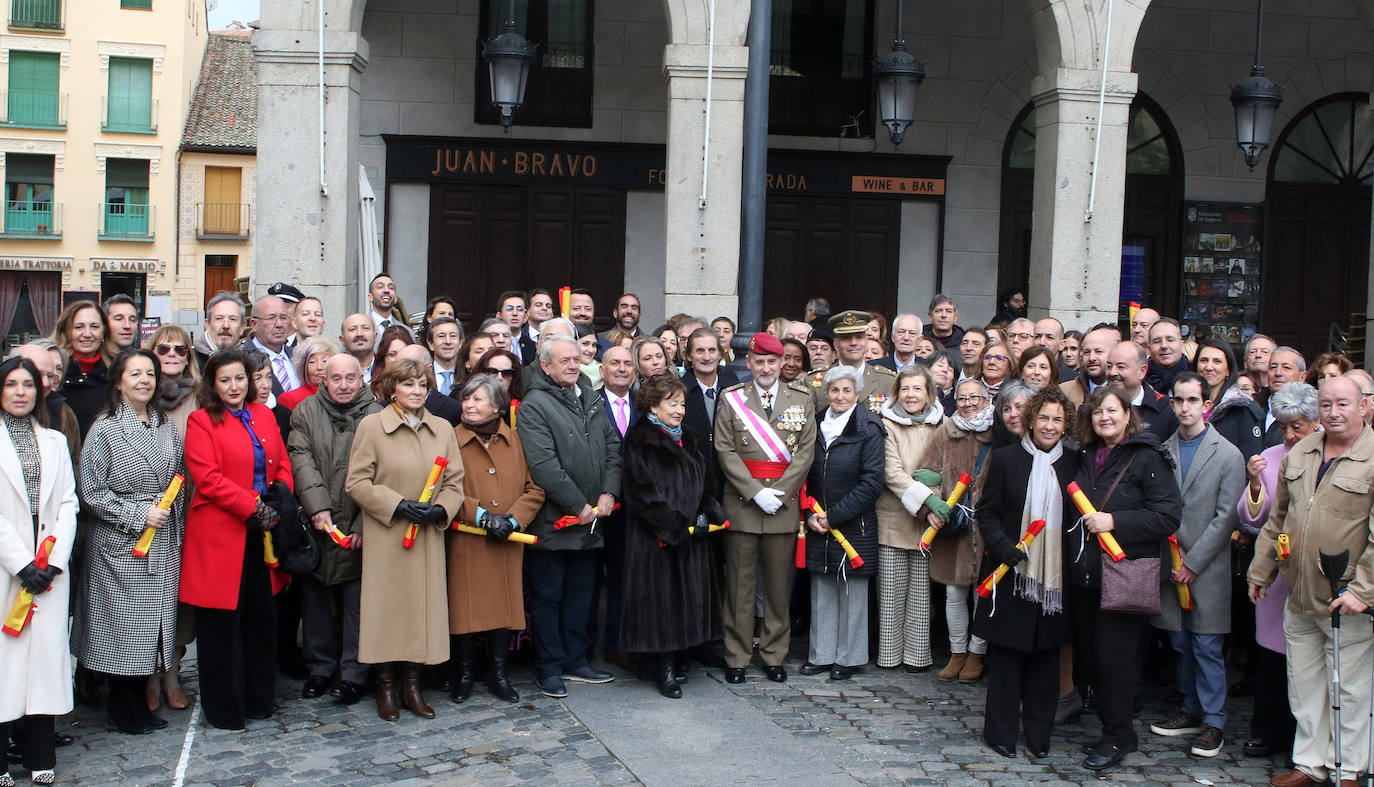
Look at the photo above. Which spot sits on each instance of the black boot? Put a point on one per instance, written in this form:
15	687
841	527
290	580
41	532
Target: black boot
665	678
498	647
462	688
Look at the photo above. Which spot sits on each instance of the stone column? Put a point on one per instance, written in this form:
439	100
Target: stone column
702	239
1075	270
306	237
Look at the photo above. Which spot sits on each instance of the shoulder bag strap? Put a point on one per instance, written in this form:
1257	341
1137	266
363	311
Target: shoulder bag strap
1119	476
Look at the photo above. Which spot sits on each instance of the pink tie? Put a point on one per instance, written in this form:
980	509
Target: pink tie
622	420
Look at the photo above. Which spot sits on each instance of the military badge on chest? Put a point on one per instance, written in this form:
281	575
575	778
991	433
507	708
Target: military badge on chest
791	422
876	402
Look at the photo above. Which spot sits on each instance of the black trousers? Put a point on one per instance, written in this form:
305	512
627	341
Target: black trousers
1273	720
609	574
237	649
1025	687
128	701
1108	644
36	740
560	585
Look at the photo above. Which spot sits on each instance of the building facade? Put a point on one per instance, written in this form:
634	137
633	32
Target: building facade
1086	150
95	96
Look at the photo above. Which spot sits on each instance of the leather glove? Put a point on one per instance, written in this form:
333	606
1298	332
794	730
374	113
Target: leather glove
1011	555
701	528
49	574
928	477
769	499
263	518
435	516
498	527
411	511
32	579
938	507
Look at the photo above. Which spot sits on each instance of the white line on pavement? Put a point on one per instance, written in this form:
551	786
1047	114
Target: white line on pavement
187	743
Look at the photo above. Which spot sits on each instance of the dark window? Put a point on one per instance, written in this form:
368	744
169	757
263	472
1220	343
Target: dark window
1331	142
559	91
1147	148
821	69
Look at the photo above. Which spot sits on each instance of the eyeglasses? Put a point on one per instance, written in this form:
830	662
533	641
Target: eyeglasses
970	399
512	308
1022	335
506	373
179	349
995	357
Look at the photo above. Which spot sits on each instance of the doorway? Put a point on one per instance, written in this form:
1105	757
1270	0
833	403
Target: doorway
134	285
219	274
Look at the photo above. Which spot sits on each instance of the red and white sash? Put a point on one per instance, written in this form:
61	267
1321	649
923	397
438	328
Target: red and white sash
761	430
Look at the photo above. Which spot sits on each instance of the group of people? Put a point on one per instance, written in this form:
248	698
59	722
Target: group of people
443	498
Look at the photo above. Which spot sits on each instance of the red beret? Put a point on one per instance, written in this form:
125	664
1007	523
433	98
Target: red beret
765	343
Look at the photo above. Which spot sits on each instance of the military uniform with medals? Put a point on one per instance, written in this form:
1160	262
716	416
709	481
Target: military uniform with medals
878	380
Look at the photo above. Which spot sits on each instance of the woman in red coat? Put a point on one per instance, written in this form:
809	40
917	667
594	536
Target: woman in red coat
233	452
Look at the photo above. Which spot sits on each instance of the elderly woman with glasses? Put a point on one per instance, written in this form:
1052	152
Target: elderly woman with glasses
997	364
960	445
309	358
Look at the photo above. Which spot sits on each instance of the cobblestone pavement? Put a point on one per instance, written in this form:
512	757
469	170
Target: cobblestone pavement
883	727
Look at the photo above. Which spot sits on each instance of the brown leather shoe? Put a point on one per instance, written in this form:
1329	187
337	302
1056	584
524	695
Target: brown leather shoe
386	693
410	692
953	668
1293	778
972	670
172	690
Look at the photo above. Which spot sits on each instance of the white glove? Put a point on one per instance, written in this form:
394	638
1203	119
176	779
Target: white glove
769	499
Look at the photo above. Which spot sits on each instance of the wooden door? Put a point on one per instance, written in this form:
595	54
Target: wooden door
843	249
219	274
488	239
222	194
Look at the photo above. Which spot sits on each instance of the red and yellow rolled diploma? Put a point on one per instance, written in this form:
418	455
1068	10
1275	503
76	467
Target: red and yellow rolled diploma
965	481
425	496
572	519
849	550
1085	507
339	538
516	536
23	608
1185	593
565	302
514	408
1282	547
691	530
145	541
1032	530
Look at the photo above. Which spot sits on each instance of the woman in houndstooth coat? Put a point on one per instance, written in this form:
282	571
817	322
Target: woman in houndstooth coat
127	606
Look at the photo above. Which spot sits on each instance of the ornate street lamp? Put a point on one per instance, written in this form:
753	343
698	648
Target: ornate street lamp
1256	100
899	77
508	58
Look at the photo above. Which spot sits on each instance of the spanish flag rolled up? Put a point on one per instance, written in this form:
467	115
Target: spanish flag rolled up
1185	593
1032	530
516	536
565	302
514	408
427	495
1282	547
965	481
1085	507
692	529
145	541
23	608
339	538
572	519
849	550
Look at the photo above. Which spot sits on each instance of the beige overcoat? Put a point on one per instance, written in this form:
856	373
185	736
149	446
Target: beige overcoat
903	446
954	559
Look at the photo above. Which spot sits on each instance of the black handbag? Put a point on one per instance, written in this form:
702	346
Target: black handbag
297	552
960	519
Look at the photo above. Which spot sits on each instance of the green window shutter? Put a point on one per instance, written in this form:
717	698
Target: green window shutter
146	4
33	88
130	102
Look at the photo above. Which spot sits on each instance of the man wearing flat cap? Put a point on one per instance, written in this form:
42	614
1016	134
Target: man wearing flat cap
765	434
851	341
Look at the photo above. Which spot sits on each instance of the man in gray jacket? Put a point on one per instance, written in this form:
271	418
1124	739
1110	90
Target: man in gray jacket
1210	473
573	453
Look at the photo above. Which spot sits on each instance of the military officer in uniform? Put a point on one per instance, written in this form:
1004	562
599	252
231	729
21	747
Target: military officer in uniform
851	341
765	434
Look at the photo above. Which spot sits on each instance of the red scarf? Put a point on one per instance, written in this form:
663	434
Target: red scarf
87	362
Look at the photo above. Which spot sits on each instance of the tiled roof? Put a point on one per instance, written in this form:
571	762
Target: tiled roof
224	111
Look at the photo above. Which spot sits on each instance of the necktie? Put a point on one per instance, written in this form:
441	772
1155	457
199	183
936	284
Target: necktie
386	324
622	419
283	376
711	405
768	403
445	381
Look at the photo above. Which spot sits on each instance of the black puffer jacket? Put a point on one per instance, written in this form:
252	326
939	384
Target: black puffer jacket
846	479
1240	420
1145	506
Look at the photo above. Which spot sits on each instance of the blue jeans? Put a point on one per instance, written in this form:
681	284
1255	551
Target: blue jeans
1201	675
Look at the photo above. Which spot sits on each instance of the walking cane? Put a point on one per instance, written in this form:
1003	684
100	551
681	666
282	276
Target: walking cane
1333	566
1369	775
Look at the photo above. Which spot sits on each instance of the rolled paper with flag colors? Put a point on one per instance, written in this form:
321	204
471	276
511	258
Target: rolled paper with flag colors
23	608
145	541
692	530
269	553
1282	547
516	535
413	529
565	302
339	538
1085	507
514	408
962	485
854	560
1032	530
572	519
1185	593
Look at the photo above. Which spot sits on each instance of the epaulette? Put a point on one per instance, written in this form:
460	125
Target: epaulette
734	387
796	385
882	369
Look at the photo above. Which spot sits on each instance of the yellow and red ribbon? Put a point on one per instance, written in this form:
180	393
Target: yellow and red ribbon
337	535
928	537
1085	507
427	495
1032	530
145	541
22	611
565	302
1185	593
573	519
516	536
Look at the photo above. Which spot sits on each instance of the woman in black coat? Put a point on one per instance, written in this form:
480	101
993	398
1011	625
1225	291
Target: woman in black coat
1128	478
847	475
83	336
670	601
1024	621
1234	415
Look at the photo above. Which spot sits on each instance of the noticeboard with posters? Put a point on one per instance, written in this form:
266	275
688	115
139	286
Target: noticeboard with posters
1222	267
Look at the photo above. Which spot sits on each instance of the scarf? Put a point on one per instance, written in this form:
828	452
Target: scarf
673	432
1040	579
978	423
173	392
25	442
487	428
1230	398
245	417
931	415
87	362
833	423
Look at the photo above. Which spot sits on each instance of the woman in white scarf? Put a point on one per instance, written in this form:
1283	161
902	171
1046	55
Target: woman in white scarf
1023	620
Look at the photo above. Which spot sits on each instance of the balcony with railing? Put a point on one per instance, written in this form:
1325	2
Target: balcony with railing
25	219
33	109
222	221
131	115
37	14
123	221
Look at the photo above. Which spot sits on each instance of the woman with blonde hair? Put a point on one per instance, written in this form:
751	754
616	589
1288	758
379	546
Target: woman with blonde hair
172	346
83	336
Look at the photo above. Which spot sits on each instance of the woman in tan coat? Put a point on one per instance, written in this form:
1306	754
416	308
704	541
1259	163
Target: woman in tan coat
484	588
404	616
956	448
911	416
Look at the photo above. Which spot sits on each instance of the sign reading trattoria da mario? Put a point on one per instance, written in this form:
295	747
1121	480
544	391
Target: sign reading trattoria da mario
137	265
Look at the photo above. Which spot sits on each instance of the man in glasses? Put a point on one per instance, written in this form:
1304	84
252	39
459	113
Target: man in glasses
513	308
271	325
